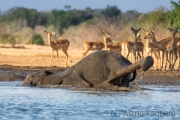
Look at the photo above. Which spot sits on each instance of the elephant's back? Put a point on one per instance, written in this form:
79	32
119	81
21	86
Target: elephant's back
98	66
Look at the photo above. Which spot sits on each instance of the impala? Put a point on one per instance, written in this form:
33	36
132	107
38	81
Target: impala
166	46
151	49
55	45
109	45
136	46
89	45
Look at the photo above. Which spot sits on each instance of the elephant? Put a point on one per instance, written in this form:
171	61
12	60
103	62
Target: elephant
97	69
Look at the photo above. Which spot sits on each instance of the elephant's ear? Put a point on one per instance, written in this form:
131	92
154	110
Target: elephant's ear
134	76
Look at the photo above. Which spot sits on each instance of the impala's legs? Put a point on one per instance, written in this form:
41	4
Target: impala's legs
139	56
84	53
159	57
142	54
170	59
132	57
179	60
135	56
65	52
176	56
58	57
87	48
51	57
127	55
167	60
156	59
162	61
123	48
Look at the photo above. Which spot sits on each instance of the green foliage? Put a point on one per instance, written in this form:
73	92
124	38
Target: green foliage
36	39
173	16
4	39
63	19
32	17
151	19
110	12
59	18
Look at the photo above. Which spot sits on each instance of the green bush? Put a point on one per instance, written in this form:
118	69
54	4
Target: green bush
36	39
153	18
4	39
173	16
111	11
7	39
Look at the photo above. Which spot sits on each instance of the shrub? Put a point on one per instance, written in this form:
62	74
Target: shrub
36	39
8	39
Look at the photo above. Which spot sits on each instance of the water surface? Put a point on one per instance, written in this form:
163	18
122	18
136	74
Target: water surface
30	103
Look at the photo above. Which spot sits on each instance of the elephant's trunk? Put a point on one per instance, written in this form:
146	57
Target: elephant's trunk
143	64
46	77
57	78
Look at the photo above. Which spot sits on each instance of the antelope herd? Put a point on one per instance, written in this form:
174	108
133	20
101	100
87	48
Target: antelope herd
168	47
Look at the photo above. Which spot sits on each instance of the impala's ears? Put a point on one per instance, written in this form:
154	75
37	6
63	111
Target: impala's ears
170	29
132	28
177	30
53	32
143	30
152	30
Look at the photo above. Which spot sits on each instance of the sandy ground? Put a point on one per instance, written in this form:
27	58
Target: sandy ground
17	63
36	56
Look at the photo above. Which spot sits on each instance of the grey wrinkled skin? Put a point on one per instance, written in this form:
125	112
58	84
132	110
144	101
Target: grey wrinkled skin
98	69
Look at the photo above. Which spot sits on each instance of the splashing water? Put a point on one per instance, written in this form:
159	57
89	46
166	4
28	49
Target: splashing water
137	83
141	77
137	86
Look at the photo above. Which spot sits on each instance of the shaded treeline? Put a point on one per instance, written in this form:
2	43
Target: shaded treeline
18	25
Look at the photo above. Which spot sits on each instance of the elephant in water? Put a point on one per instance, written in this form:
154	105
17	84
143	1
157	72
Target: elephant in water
98	69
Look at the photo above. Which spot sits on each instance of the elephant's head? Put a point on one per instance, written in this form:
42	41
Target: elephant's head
46	77
35	79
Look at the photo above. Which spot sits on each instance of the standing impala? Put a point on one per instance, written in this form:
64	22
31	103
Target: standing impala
178	51
165	45
89	45
127	47
136	47
151	49
55	45
173	48
109	45
124	47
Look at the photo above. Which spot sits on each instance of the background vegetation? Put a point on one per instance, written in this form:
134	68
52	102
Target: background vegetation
36	39
21	25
